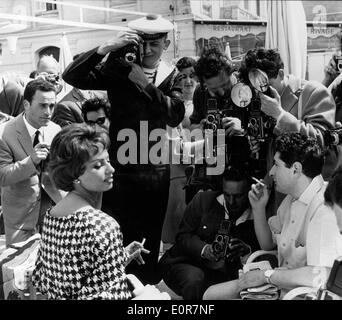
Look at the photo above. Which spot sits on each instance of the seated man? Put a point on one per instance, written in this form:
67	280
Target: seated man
194	263
96	112
304	230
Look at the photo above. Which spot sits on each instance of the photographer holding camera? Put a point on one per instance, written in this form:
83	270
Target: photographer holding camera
296	105
140	90
213	110
215	235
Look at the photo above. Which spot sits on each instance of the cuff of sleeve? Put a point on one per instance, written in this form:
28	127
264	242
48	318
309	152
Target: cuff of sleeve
287	122
280	116
202	252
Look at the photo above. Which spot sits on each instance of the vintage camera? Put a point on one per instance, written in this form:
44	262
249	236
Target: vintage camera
260	126
214	116
333	137
217	109
221	243
338	62
132	53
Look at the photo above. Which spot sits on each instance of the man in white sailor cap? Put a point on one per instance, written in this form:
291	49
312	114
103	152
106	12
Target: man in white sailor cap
139	93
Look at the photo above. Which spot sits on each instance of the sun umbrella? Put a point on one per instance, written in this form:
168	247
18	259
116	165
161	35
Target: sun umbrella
65	58
286	31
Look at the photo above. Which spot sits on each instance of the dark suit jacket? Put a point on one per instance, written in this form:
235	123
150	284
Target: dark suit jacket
129	104
199	225
69	109
19	179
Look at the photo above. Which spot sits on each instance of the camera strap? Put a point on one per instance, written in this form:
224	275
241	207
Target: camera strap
226	212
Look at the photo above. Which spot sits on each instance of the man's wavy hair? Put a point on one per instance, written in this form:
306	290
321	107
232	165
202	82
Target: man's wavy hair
296	147
211	62
95	104
268	61
71	149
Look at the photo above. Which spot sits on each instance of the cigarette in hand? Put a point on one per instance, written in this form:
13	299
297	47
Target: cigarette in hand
258	181
143	241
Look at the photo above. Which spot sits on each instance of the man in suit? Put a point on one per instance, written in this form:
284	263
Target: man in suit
139	93
69	109
194	263
26	190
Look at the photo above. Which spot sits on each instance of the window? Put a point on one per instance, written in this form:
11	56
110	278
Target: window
230	9
42	7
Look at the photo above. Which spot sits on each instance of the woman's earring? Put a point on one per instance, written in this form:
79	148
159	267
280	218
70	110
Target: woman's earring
77	181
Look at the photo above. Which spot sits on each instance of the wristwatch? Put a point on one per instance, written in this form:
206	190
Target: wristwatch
268	275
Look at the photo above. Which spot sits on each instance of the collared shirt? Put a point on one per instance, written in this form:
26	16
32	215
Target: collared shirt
304	234
32	131
247	214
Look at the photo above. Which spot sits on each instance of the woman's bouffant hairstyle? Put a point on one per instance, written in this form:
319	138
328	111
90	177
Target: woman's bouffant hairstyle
70	149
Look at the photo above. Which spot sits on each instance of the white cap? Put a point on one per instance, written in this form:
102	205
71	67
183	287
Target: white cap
151	24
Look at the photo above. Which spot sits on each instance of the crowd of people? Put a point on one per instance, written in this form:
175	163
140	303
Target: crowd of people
87	171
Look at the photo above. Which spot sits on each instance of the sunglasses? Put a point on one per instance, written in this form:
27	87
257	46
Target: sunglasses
100	121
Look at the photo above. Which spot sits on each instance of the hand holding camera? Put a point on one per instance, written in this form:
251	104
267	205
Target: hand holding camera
232	126
238	249
208	253
122	39
138	76
271	106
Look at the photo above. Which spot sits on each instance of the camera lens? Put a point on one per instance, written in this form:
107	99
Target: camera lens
219	238
253	131
267	124
212	126
130	57
335	138
253	121
217	247
210	118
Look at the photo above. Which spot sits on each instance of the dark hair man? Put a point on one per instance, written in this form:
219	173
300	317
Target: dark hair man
26	190
139	93
297	105
96	112
193	263
215	73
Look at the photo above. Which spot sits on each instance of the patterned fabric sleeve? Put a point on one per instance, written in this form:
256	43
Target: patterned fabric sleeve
109	257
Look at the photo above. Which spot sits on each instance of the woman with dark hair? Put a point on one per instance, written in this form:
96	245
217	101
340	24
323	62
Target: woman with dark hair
81	255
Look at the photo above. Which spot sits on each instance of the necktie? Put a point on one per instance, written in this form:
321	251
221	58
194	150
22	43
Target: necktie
36	138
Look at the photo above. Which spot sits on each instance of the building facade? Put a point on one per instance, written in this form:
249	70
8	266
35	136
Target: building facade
241	23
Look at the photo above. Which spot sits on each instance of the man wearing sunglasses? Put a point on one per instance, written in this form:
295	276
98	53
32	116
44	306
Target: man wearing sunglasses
96	112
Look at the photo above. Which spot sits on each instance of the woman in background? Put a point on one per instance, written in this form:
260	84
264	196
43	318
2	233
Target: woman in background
176	204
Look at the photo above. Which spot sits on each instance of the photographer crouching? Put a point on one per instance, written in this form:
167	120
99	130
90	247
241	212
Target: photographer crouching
142	97
215	236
